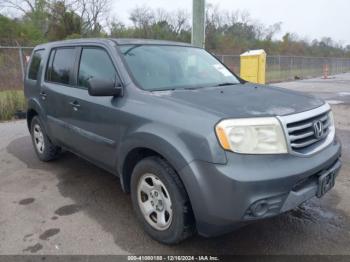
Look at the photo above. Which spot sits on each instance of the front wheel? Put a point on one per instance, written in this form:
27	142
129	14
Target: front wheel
160	201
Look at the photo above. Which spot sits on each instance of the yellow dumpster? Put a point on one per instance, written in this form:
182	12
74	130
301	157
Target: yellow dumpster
253	64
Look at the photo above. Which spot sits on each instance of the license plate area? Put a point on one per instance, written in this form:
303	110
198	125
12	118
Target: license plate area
325	183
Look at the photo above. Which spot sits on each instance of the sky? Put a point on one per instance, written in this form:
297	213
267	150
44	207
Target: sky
309	19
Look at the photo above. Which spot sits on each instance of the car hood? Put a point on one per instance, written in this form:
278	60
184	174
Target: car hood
244	100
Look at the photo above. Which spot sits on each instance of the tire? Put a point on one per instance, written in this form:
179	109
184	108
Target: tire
44	149
179	223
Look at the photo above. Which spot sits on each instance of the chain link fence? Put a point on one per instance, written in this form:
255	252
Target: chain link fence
284	68
13	63
14	60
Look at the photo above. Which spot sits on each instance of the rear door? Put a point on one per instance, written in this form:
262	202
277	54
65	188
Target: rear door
56	89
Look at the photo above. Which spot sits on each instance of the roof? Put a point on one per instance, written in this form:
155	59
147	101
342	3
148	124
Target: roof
139	41
118	41
74	41
253	52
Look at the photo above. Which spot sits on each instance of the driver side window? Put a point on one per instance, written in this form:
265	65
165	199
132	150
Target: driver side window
95	63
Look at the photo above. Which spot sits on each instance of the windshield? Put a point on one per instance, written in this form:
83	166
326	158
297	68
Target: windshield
164	67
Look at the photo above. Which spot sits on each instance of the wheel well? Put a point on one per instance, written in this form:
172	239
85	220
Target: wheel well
133	157
30	114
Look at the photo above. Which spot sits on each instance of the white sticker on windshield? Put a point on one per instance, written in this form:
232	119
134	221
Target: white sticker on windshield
222	70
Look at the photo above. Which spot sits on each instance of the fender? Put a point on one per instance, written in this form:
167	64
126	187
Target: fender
34	104
167	144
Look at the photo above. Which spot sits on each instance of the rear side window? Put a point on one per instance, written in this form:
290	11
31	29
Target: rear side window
61	64
95	63
35	65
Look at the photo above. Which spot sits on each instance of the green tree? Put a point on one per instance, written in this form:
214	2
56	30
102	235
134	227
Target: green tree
63	22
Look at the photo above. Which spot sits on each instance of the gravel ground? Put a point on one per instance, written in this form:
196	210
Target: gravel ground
72	207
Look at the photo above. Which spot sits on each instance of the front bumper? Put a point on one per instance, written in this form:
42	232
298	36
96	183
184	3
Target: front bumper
223	196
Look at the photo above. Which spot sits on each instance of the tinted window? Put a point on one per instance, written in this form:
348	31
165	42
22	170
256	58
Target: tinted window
95	62
60	69
35	65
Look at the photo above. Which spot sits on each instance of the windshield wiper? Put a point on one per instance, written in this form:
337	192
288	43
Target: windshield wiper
161	90
190	88
226	84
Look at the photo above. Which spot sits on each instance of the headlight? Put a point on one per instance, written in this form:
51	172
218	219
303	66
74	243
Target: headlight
262	135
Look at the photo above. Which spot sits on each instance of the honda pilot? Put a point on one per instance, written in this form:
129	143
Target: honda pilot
199	149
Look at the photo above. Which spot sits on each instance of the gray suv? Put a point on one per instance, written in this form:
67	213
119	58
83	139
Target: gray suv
198	148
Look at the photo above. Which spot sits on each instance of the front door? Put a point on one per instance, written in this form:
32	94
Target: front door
94	121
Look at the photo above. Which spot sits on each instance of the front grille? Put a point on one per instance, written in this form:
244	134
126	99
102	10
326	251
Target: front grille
302	134
300	130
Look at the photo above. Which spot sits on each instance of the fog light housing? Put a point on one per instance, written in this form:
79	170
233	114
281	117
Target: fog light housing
265	207
259	208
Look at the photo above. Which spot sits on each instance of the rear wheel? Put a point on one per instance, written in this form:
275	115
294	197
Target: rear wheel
44	148
160	201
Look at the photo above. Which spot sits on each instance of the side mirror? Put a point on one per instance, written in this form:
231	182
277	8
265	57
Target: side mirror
104	87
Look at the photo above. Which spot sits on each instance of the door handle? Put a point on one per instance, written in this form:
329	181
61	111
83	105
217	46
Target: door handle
43	95
75	105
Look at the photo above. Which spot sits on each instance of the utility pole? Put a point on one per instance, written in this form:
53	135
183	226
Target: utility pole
198	23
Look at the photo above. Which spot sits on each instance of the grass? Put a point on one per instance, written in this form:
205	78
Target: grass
11	101
276	75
